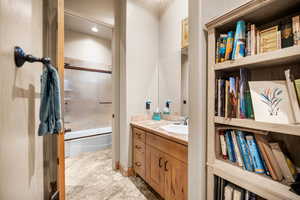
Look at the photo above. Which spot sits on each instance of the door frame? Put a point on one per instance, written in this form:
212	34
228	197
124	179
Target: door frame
116	53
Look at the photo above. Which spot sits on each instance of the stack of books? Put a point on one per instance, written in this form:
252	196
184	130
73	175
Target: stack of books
253	152
225	190
266	101
249	40
233	97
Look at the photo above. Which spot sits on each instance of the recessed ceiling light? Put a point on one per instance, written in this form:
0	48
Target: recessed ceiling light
95	29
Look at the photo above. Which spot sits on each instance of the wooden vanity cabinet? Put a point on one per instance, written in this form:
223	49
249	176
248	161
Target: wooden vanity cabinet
162	164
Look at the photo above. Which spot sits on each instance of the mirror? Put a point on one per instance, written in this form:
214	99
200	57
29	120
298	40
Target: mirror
173	56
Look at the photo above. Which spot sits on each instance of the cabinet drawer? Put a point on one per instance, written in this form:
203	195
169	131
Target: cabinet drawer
139	164
139	147
174	149
139	135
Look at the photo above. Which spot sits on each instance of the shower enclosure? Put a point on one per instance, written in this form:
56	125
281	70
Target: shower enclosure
88	110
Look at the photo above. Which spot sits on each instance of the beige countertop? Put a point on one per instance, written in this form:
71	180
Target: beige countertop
154	127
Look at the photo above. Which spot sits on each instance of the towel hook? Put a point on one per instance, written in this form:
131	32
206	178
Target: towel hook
21	57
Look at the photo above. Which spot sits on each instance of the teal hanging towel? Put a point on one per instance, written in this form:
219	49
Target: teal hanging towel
50	108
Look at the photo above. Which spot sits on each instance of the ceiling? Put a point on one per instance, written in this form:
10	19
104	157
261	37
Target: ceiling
81	24
101	10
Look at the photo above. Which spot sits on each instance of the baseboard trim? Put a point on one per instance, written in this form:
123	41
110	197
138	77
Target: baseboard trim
124	172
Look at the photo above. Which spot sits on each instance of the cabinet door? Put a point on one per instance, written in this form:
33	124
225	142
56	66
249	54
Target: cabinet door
175	179
154	171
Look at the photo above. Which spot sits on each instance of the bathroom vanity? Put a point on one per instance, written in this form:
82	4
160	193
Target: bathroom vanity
160	158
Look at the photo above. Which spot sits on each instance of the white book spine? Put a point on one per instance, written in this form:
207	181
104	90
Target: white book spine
253	39
223	145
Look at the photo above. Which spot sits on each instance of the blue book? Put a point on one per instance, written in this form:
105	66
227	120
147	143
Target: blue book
230	147
244	150
255	155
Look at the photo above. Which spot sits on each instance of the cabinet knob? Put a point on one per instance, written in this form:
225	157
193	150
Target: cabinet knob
166	164
138	164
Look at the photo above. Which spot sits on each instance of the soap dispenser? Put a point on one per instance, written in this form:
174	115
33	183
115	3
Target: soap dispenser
167	109
148	106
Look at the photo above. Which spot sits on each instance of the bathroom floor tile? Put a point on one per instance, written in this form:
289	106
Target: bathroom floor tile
90	177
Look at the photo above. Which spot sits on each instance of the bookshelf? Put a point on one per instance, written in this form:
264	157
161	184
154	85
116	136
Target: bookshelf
265	66
281	56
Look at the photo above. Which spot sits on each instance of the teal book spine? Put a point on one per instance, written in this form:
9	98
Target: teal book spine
230	147
244	150
255	155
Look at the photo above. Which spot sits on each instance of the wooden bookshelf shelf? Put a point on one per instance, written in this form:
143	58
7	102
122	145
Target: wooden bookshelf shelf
291	129
261	185
281	56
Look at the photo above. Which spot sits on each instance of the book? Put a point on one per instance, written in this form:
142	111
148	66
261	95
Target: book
244	150
271	102
243	86
230	147
228	192
249	107
232	98
257	42
237	150
297	86
296	29
255	155
229	46
226	98
287	38
293	95
281	159
239	40
222	189
222	48
248	39
218	50
253	39
221	97
269	157
237	89
238	194
268	39
223	144
279	39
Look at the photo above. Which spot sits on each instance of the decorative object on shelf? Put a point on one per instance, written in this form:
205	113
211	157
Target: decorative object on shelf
271	102
185	33
287	39
269	39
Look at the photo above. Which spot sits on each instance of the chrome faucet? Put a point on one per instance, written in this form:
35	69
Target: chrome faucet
185	120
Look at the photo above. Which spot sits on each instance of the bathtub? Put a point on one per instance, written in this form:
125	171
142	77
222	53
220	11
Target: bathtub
89	140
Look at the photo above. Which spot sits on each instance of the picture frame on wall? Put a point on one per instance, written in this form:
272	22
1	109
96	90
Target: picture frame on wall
185	33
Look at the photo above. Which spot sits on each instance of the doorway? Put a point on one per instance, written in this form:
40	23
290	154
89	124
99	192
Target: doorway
87	96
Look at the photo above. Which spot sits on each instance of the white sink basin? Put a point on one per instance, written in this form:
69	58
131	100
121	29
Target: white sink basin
178	129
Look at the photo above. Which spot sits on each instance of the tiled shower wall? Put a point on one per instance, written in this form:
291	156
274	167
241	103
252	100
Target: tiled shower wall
87	97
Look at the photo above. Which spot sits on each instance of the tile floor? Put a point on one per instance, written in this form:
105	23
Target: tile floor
90	177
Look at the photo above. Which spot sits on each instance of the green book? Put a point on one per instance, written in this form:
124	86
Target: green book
249	108
297	86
